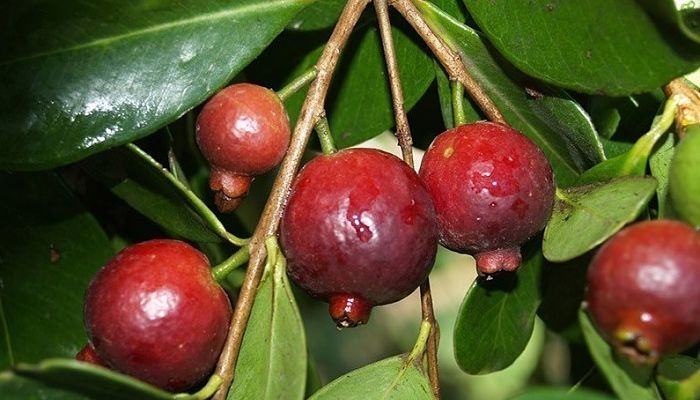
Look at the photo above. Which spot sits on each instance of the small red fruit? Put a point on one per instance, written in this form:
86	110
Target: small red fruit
644	289
359	230
493	189
243	131
155	312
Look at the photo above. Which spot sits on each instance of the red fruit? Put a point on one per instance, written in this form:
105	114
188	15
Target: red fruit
359	230
155	312
88	355
492	188
644	289
243	131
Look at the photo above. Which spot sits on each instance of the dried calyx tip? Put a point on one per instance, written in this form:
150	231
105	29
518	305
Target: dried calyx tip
349	311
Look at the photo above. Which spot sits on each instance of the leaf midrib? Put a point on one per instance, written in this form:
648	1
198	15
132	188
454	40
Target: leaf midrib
218	15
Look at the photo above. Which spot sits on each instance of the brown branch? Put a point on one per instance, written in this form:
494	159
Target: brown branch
449	59
403	132
688	104
311	111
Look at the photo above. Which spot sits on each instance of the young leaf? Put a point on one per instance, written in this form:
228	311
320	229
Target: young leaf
91	381
659	164
628	382
389	379
556	123
87	78
584	216
150	189
504	311
359	103
678	377
561	394
50	247
610	47
273	355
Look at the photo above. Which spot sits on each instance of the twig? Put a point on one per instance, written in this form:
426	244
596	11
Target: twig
311	111
448	58
403	132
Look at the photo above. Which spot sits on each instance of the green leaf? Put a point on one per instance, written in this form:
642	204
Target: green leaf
91	381
678	377
86	78
593	46
359	101
389	379
147	187
273	354
556	123
686	18
504	310
585	216
49	249
16	387
319	15
627	381
660	164
561	393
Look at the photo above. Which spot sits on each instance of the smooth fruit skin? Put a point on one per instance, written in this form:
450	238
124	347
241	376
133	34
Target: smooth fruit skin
154	312
644	289
493	189
243	131
358	230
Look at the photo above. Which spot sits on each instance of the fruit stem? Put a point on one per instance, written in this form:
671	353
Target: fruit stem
403	129
638	155
423	335
405	140
460	115
205	392
299	82
323	130
196	203
221	271
446	53
311	112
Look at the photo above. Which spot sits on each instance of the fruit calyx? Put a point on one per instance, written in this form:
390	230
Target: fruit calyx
230	188
349	311
639	347
493	261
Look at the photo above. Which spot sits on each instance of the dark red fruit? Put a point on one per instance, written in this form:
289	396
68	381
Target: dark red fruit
243	131
359	230
492	188
89	355
155	312
644	289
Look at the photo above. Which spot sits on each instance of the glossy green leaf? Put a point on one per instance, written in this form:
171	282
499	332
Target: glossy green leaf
628	382
585	216
678	377
50	247
504	310
593	46
147	187
16	387
319	15
685	18
91	381
359	101
659	165
561	394
556	123
389	379
86	77
273	354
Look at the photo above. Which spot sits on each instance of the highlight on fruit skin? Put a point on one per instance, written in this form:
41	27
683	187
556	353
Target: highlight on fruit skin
243	131
154	312
643	291
493	190
358	230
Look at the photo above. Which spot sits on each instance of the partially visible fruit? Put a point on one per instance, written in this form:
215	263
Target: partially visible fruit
154	312
89	355
493	189
359	230
684	177
243	131
644	289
